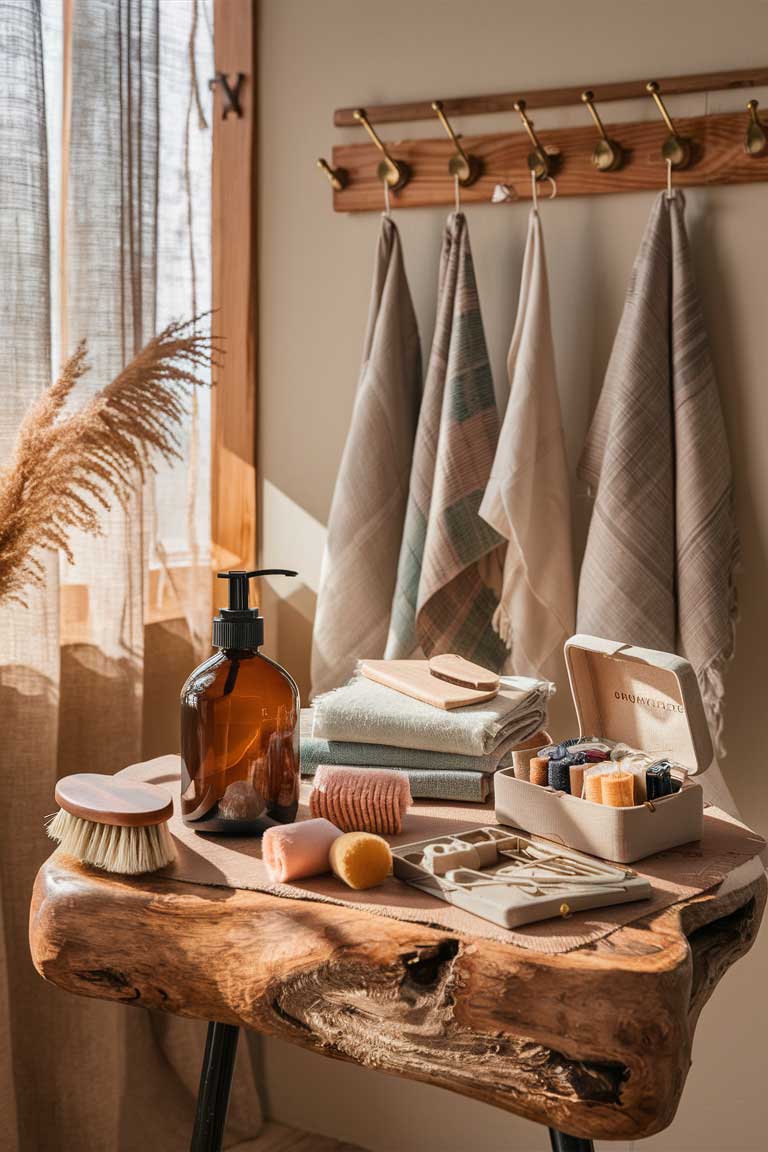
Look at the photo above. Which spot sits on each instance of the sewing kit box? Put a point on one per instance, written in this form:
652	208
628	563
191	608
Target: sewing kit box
649	700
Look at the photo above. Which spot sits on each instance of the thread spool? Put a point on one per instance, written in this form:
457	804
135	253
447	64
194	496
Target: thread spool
593	787
618	789
540	770
658	780
576	773
559	774
523	753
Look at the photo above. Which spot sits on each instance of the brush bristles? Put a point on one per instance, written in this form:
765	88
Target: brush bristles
111	847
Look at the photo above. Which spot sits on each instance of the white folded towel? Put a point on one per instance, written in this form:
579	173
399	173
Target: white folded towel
372	713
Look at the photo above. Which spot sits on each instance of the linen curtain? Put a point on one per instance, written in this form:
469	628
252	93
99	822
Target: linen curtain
104	234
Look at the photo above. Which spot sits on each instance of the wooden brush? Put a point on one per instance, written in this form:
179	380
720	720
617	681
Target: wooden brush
113	823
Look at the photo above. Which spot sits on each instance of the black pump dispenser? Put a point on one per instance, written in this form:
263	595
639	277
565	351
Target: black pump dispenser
238	626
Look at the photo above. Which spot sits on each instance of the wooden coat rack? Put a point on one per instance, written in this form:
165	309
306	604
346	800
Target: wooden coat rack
596	159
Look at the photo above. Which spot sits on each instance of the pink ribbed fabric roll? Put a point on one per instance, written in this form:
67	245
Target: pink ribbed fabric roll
361	799
292	851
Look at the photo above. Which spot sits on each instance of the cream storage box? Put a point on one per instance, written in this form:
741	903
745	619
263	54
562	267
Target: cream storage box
649	700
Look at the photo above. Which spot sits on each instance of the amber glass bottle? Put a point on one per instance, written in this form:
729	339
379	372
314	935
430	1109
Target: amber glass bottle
239	727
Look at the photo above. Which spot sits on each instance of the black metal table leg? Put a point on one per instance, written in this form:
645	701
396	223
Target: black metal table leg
563	1143
215	1082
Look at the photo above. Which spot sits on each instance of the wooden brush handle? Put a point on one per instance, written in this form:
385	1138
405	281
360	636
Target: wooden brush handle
113	800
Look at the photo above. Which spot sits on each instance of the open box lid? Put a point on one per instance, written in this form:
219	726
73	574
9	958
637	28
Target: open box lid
647	699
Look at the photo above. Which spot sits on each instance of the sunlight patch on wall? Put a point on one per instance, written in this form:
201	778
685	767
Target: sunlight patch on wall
291	538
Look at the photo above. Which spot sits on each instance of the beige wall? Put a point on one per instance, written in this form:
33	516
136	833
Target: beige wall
315	270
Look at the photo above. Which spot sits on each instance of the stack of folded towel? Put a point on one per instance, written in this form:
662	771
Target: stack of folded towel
447	755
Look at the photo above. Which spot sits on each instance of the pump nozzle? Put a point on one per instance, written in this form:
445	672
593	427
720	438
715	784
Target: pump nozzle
237	625
238	585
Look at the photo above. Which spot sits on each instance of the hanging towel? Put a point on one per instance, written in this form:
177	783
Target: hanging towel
528	496
662	548
366	520
442	602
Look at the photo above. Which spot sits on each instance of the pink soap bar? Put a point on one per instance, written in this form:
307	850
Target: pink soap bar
361	799
291	851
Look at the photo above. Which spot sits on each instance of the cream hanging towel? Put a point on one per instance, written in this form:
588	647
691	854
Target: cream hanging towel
366	520
662	548
528	496
442	602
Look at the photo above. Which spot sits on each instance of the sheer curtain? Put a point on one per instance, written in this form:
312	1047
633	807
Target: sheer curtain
104	234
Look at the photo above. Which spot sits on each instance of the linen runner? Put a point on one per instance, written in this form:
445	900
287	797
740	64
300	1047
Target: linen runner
675	875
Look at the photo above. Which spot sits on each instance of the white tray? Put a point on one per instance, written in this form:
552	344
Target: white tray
542	888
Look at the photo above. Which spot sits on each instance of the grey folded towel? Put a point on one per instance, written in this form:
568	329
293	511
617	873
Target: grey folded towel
364	711
315	750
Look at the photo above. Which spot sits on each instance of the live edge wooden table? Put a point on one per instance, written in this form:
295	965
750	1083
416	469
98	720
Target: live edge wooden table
594	1043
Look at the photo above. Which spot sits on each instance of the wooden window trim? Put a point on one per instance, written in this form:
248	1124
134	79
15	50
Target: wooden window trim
234	279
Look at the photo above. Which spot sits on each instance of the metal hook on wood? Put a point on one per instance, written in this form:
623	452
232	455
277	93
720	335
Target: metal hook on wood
395	173
541	161
338	178
230	93
465	167
607	155
676	149
756	140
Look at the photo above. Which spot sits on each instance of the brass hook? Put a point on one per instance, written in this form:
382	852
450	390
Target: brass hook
676	149
608	155
756	140
541	161
462	165
394	173
338	178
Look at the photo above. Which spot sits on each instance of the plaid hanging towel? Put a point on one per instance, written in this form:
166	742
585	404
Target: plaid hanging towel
366	521
659	565
442	602
528	495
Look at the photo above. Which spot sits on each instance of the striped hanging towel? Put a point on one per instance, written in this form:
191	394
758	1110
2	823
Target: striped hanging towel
442	602
366	520
662	549
528	496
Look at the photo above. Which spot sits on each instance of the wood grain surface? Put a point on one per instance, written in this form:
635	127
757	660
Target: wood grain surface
742	78
718	158
596	1042
113	800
